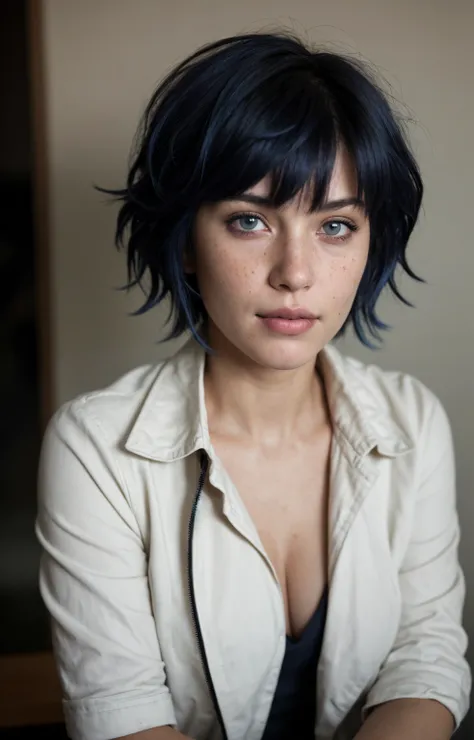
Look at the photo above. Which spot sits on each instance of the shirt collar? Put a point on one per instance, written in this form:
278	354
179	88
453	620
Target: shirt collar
356	406
172	422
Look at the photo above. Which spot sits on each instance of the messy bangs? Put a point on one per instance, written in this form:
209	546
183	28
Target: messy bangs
254	106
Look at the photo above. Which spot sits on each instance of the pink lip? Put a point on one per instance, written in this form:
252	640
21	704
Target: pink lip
288	321
289	313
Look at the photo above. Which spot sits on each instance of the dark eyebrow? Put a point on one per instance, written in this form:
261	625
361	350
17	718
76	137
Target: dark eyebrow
257	200
329	205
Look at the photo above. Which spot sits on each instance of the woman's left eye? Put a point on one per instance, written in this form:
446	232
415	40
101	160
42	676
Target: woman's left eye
246	223
338	229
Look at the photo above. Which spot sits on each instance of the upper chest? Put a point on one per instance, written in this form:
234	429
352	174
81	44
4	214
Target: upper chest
285	493
280	485
284	490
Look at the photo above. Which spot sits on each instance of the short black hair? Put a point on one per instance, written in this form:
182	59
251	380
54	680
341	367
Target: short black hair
253	105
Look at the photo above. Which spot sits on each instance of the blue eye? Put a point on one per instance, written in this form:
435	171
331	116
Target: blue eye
336	228
246	222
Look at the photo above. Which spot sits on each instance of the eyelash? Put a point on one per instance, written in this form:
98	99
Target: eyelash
332	240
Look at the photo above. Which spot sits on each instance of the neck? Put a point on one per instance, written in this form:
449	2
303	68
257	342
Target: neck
246	401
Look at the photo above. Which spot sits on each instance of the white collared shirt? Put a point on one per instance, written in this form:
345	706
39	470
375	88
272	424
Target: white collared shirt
118	473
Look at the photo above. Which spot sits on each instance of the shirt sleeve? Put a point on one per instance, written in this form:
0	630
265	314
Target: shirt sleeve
427	659
93	580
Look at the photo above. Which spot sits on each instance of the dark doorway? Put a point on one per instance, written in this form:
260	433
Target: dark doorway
24	620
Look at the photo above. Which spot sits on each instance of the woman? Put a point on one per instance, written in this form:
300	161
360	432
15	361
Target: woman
258	538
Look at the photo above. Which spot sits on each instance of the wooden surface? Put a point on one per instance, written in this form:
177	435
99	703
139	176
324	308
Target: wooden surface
29	690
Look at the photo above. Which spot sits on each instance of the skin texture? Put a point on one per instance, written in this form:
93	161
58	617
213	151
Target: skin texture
286	260
263	394
408	719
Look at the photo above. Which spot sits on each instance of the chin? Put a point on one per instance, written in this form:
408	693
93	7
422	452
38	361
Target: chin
285	355
273	353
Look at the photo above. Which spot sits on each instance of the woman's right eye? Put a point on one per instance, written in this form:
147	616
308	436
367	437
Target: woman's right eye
246	223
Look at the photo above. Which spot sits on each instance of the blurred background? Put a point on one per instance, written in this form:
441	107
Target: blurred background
74	79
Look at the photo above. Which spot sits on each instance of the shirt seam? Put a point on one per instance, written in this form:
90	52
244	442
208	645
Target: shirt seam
161	696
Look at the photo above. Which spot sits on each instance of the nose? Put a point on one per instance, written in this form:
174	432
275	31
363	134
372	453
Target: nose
293	268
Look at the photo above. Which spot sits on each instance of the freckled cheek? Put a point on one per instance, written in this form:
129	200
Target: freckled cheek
344	278
342	284
227	274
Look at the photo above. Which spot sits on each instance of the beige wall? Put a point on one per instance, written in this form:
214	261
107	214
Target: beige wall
103	58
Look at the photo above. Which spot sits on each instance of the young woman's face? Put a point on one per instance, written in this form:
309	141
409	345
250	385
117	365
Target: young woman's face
278	284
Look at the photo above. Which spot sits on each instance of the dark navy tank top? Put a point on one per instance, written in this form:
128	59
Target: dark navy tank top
293	710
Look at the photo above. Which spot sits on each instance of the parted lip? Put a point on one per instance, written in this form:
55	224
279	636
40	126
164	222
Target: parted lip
288	313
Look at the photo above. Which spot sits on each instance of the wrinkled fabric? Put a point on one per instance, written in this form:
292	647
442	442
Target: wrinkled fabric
118	473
